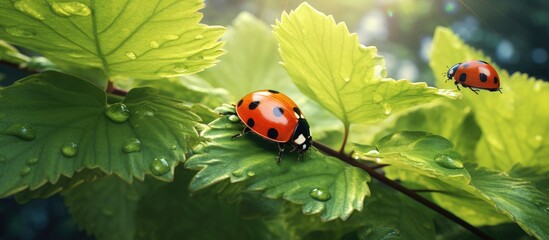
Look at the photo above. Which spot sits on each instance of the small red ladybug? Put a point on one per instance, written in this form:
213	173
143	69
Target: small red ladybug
475	75
274	116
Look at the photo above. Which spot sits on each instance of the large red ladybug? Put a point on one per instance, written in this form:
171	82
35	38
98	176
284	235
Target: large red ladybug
274	116
475	75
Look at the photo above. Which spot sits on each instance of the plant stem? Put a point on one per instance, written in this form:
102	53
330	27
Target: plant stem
345	136
380	177
116	91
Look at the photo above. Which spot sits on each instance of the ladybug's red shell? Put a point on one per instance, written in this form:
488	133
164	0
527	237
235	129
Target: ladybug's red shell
270	114
475	74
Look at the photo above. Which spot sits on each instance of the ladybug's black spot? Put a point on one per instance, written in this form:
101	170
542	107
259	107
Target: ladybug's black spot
296	110
240	102
496	80
278	112
273	91
483	77
250	122
272	133
253	105
462	77
465	65
482	61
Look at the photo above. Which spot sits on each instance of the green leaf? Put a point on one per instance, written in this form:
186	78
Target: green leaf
241	72
171	212
539	177
64	127
340	188
513	124
106	208
514	197
425	153
134	38
391	215
10	54
329	65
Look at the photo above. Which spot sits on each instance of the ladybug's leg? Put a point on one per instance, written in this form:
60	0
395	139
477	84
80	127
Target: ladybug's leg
457	85
280	152
246	130
474	90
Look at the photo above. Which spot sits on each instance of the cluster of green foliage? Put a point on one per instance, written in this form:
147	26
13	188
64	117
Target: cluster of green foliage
126	163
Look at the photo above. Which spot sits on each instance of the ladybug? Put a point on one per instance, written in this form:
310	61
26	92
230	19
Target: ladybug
274	116
475	75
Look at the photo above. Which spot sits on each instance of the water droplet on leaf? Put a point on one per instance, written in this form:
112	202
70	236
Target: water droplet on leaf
131	145
196	57
173	147
448	161
199	36
159	166
131	55
22	131
25	171
180	68
28	8
32	161
234	118
154	44
67	9
69	149
387	109
117	112
250	173
320	194
238	173
347	79
20	32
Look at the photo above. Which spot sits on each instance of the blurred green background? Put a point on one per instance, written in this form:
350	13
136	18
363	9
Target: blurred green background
515	34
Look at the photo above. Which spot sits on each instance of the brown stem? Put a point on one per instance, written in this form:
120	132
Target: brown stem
380	177
345	136
116	91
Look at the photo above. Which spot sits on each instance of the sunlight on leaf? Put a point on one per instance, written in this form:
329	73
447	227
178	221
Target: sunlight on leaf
10	54
134	38
67	126
514	124
329	65
321	184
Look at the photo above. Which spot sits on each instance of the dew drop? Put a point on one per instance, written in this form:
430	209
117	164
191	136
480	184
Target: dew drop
159	166
22	131
173	147
131	145
28	9
448	161
387	109
32	161
131	55
320	194
374	153
19	32
347	79
234	118
180	68
69	149
117	112
238	173
250	173
154	44
171	37
67	9
25	171
199	36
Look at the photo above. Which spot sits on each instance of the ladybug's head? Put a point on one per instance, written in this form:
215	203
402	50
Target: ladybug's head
452	71
302	136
